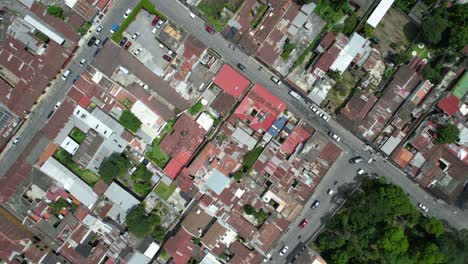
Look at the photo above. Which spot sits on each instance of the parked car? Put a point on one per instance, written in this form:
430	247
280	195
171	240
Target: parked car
97	42
142	84
160	23
209	30
334	136
127	13
99	29
192	15
330	191
137	51
57	105
284	250
360	171
267	257
276	80
155	21
82	62
123	41
295	95
114	28
315	204
128	44
323	116
66	74
241	67
356	160
167	58
303	223
423	207
136	35
15	141
91	41
314	109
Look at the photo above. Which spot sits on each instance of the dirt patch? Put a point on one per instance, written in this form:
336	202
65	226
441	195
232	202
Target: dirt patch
395	32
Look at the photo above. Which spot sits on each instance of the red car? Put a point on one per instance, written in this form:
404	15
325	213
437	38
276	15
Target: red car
167	58
128	44
155	21
209	30
303	223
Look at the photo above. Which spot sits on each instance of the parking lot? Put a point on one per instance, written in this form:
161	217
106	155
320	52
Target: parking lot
152	50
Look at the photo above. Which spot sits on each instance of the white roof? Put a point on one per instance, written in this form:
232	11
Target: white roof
205	121
70	182
122	201
150	121
70	3
92	122
217	181
356	45
210	259
379	12
41	27
152	250
70	145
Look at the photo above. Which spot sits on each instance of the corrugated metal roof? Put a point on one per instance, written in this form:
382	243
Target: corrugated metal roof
379	12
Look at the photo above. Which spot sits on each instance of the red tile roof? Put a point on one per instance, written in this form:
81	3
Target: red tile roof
450	104
100	187
299	135
231	81
172	168
180	247
358	106
267	107
269	234
402	157
242	226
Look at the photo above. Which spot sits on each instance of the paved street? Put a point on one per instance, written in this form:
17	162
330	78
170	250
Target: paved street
342	172
57	92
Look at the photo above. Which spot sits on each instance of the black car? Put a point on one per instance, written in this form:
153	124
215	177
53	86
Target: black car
123	41
91	41
241	67
315	204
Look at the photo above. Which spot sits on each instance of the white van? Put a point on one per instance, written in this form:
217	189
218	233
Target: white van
66	74
295	95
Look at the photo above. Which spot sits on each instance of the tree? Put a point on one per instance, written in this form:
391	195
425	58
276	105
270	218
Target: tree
430	254
433	226
458	34
130	121
433	74
447	134
58	205
55	11
159	233
142	188
139	223
394	241
368	31
142	173
433	27
248	209
350	24
454	244
113	166
303	2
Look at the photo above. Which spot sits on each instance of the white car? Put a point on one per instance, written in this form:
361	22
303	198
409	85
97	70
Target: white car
15	141
192	15
82	62
295	95
127	13
66	74
160	23
97	42
423	207
99	29
136	35
360	172
330	192
334	136
142	84
57	105
137	51
276	80
324	117
314	109
267	257
284	250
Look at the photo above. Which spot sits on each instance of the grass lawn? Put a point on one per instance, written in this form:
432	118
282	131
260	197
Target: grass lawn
164	191
77	135
66	159
422	53
158	156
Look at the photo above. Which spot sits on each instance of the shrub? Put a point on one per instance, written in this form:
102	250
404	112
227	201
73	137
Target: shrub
130	121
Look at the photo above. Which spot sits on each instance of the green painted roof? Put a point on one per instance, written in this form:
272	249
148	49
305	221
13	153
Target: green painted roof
462	87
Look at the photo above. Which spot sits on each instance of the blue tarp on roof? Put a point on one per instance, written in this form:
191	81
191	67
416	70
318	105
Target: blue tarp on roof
277	126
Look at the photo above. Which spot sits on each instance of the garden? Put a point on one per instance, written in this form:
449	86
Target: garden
214	11
65	159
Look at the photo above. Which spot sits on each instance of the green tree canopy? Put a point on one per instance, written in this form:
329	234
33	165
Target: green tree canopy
394	241
55	11
130	121
433	226
458	17
454	244
159	233
433	27
447	134
115	165
434	75
139	223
